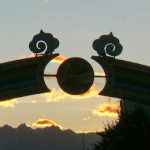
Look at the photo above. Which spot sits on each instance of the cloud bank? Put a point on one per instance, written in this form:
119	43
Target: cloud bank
57	95
9	103
110	110
43	122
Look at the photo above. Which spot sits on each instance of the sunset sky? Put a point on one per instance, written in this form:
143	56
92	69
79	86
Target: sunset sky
76	24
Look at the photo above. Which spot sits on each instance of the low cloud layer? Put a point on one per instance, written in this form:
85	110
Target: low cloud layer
8	104
43	122
59	59
57	95
110	110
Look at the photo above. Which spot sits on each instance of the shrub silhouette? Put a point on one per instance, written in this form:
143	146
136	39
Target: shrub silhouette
130	132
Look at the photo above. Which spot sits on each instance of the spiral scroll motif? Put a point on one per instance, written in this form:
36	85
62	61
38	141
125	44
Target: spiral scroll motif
43	42
107	44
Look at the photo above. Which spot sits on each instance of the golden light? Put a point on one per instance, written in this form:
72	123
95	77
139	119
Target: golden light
59	59
8	104
57	95
111	110
43	122
100	74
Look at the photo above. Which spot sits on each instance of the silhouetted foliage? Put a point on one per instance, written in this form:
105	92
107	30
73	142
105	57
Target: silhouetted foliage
130	132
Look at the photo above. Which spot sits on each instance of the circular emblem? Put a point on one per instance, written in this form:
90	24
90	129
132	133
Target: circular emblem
75	76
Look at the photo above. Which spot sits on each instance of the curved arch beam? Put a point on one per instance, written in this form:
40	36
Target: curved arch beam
23	77
125	80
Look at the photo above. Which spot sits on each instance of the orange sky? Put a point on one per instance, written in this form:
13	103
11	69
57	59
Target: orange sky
102	108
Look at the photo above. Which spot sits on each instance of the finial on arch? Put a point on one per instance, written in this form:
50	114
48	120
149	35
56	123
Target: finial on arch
43	42
108	44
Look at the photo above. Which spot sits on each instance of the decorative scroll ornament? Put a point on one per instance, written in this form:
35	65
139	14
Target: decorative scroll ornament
43	42
108	44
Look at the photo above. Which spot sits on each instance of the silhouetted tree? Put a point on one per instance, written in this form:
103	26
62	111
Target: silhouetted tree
130	132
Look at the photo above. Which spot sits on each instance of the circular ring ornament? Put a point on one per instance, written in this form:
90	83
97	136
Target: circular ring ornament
75	76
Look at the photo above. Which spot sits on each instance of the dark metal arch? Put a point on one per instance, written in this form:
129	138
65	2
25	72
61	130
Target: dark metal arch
125	80
109	74
23	77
